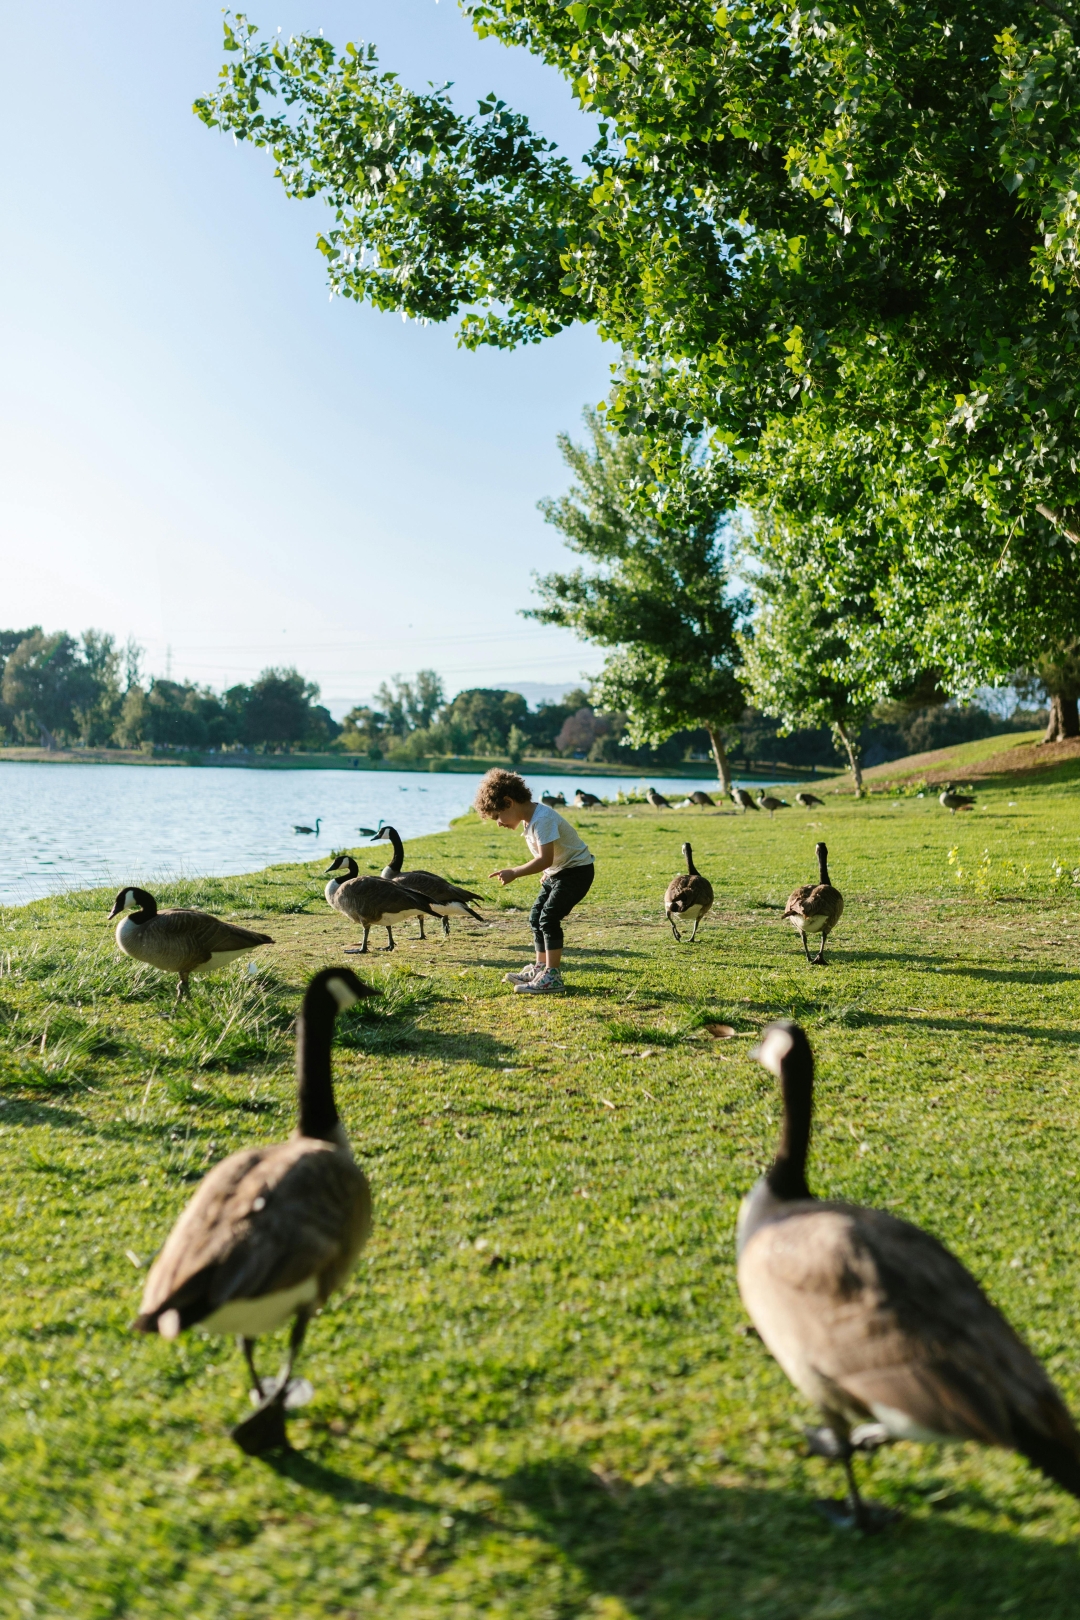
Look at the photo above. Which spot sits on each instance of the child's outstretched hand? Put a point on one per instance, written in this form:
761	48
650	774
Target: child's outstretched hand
505	874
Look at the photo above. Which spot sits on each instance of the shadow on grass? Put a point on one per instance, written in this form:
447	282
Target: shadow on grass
949	966
765	1555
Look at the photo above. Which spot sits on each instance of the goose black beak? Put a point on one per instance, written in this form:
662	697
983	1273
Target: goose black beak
115	912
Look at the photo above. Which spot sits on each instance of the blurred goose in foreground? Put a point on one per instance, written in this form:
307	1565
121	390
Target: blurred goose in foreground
955	801
587	801
740	797
769	802
373	902
179	941
816	908
447	899
689	896
877	1323
271	1232
657	800
808	800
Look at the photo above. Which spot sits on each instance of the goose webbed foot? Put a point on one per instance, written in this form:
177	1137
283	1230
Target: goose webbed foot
674	930
356	950
446	927
851	1512
420	920
389	946
693	936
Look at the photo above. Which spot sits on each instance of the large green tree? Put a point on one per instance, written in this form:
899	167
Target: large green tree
658	597
847	204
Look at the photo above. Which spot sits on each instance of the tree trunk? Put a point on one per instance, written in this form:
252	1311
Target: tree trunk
853	757
723	769
1064	718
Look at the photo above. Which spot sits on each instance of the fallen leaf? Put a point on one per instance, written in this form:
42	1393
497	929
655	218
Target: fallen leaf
719	1032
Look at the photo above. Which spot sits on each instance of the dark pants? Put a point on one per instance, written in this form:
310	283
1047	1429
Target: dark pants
558	895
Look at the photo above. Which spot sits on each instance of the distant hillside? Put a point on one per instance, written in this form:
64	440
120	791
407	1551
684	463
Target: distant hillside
1017	755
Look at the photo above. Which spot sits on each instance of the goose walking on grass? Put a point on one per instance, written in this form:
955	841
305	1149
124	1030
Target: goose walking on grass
689	896
701	798
657	800
373	902
447	899
955	801
179	941
315	829
742	799
271	1232
808	800
816	908
769	802
877	1323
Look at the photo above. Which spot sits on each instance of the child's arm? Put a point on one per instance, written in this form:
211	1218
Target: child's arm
540	863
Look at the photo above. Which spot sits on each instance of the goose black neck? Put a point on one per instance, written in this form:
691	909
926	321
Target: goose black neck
690	867
399	849
318	1113
147	906
786	1175
823	863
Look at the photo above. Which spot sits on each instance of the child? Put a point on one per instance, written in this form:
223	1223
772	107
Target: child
559	853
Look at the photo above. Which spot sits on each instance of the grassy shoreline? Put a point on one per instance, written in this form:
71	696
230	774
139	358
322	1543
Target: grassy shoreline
536	1397
437	764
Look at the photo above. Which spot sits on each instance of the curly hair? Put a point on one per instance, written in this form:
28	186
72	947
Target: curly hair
497	790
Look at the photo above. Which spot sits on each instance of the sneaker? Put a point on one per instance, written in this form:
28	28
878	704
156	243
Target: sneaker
528	972
547	983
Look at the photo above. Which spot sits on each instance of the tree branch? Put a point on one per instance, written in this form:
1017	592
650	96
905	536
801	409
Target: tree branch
1059	522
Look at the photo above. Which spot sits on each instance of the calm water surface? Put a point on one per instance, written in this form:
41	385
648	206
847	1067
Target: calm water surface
82	826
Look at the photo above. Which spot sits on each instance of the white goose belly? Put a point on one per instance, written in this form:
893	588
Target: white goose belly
250	1317
220	959
809	925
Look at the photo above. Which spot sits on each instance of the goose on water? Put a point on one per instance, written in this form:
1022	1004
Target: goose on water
877	1323
315	829
373	902
689	896
179	941
808	800
741	798
447	899
816	908
271	1232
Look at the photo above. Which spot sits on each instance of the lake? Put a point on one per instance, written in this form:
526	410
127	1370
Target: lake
87	826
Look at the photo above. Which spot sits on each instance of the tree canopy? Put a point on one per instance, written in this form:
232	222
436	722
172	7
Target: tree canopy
658	597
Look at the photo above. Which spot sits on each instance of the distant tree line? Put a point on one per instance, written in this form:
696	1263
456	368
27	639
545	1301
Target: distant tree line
56	691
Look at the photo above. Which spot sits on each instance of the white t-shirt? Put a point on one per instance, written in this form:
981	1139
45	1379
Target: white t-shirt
548	827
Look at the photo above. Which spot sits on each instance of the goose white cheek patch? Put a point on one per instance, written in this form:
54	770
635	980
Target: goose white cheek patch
169	1324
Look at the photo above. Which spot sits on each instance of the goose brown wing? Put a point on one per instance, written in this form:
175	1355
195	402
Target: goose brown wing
815	900
685	890
880	1313
198	931
261	1221
366	899
435	887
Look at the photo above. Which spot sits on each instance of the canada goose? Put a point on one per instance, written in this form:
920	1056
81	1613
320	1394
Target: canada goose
315	829
374	903
876	1322
348	869
955	801
587	801
769	802
688	896
447	899
657	800
808	800
816	908
369	832
700	797
743	800
179	941
553	800
271	1232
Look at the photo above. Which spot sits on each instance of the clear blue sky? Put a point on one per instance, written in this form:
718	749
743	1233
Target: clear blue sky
198	447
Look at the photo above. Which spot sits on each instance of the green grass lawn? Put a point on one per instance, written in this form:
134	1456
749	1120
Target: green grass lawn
537	1398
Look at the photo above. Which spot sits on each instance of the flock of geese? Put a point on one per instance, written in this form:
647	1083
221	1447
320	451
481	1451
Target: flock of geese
872	1319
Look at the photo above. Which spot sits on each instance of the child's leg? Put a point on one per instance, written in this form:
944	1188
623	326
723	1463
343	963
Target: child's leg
534	924
563	894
